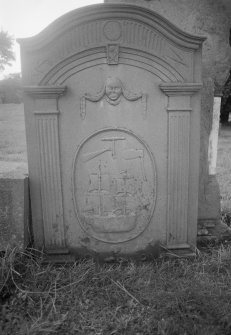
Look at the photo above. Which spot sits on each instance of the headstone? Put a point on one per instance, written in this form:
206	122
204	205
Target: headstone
112	110
213	137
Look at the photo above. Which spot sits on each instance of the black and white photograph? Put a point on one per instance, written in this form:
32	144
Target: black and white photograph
115	167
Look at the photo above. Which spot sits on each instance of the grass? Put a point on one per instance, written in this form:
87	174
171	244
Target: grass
13	156
161	297
164	297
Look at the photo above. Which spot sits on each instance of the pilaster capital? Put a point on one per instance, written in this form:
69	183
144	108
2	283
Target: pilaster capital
176	89
45	92
179	95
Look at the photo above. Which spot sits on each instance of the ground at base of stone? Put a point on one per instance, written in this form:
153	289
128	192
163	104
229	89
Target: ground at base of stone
177	296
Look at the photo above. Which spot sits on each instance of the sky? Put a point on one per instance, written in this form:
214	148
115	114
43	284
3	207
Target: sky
25	18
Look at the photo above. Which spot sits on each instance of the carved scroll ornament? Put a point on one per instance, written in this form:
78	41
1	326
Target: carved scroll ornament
113	90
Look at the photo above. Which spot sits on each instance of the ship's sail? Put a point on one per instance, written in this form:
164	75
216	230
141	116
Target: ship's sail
99	182
93	182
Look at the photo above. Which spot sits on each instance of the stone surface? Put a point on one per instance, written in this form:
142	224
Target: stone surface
209	18
14	211
112	111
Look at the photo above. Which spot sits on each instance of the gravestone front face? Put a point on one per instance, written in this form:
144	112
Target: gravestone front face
112	109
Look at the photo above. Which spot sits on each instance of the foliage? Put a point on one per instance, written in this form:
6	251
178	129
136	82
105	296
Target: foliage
226	100
6	53
11	89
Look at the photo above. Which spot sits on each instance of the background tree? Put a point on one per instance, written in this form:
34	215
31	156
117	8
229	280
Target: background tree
6	52
226	101
11	89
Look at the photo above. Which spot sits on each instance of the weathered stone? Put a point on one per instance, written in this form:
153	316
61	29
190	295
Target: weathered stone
220	233
14	213
203	232
112	111
209	207
210	18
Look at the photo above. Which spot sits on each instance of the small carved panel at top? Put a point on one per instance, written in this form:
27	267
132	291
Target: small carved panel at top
113	91
112	30
112	54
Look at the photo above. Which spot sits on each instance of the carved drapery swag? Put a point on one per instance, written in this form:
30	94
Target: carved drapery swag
113	90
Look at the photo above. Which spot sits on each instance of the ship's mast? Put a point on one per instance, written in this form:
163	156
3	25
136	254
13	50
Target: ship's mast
100	190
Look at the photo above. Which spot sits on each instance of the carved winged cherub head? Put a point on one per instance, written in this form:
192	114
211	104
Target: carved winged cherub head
113	90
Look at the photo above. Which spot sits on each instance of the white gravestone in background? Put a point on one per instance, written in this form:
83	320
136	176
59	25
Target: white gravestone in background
213	138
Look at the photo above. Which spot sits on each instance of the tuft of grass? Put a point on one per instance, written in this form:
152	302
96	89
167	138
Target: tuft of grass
226	215
163	297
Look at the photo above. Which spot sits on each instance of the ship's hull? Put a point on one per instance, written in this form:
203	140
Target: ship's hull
112	224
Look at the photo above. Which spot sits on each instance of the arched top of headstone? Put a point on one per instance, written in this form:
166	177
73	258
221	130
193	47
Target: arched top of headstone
108	33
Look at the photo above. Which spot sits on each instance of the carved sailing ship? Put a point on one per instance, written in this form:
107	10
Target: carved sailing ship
110	202
115	196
